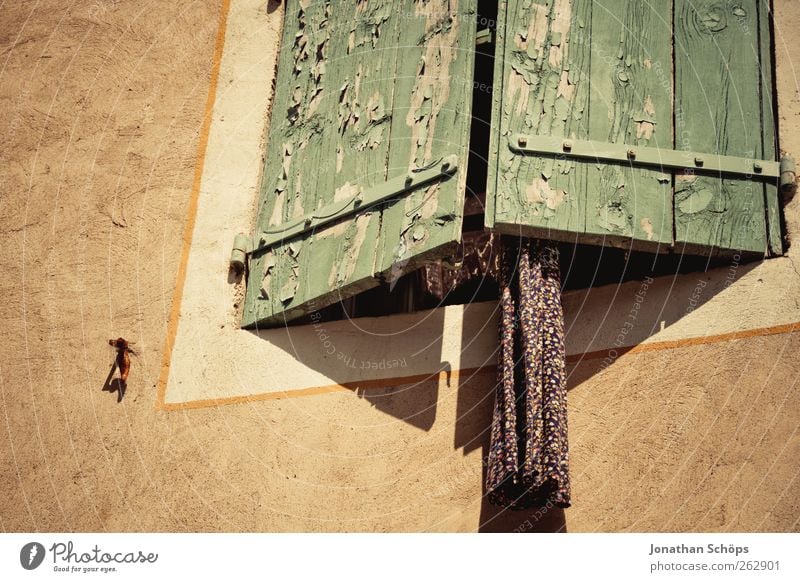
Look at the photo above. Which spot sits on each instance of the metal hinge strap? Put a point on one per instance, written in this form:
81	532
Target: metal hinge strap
395	187
648	156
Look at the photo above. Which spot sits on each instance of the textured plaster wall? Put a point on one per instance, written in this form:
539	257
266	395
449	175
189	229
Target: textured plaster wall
102	116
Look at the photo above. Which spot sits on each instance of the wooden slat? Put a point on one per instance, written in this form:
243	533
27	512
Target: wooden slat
337	128
431	119
771	192
496	135
630	103
296	135
718	110
545	53
341	260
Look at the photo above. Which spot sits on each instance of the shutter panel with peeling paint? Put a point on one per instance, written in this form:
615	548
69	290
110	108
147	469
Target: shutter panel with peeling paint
592	138
372	102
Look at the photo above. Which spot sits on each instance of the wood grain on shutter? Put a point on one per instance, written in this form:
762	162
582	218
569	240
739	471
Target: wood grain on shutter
365	92
630	103
718	110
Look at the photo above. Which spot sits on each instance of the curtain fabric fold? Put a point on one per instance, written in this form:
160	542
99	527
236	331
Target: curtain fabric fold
528	455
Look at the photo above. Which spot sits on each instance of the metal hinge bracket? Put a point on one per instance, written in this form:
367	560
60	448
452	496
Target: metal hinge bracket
243	245
485	36
655	158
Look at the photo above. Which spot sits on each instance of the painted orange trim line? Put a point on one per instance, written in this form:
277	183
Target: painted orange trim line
685	342
174	315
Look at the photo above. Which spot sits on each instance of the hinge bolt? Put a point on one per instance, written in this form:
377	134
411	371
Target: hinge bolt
522	141
566	145
241	246
698	161
632	154
758	167
788	175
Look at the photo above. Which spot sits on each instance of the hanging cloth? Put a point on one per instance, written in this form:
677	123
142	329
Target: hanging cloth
528	454
476	258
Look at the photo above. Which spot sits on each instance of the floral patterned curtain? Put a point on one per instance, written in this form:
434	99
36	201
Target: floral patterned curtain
528	455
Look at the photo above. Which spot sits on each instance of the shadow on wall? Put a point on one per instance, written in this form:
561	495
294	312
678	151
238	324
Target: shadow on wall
621	316
115	385
413	403
595	317
332	348
548	519
273	5
472	431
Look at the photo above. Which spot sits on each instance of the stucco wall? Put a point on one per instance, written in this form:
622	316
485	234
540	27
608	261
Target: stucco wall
103	112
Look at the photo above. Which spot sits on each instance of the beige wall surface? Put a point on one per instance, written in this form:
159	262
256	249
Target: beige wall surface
104	110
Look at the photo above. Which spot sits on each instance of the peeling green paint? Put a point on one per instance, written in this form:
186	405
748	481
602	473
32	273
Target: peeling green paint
348	83
544	66
602	70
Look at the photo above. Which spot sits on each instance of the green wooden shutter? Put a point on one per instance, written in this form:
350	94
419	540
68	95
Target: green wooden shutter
581	83
370	97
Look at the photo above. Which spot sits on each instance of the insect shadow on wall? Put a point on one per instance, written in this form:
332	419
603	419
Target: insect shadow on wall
122	362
